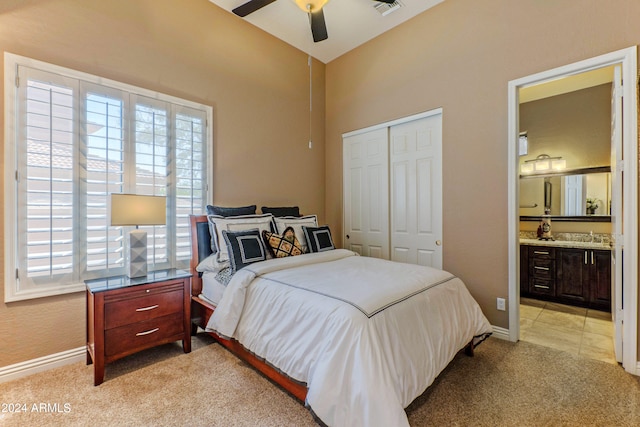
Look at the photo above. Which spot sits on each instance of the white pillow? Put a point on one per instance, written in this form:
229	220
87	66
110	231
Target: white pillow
296	222
235	223
211	264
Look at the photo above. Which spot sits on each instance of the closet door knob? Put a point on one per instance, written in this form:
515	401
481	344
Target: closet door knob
438	243
347	236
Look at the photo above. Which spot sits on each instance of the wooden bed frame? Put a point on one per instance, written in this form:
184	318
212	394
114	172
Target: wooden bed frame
202	310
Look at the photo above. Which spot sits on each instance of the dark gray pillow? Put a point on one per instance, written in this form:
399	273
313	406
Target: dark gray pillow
245	247
318	238
224	211
282	211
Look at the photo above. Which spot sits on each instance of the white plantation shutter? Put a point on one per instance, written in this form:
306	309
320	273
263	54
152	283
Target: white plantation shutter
152	147
46	182
73	140
102	144
190	168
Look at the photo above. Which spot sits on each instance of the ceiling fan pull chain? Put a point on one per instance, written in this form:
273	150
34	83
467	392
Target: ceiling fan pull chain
310	64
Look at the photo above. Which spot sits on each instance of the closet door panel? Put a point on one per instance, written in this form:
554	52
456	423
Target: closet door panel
424	195
366	193
416	191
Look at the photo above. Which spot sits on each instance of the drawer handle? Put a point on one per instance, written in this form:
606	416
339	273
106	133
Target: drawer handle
541	253
140	334
541	268
540	286
151	307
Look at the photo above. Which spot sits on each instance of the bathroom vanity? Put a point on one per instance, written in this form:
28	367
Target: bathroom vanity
573	273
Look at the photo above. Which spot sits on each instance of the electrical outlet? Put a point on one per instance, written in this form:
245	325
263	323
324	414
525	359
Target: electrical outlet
500	304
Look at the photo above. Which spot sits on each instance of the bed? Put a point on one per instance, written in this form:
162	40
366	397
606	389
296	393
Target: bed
356	339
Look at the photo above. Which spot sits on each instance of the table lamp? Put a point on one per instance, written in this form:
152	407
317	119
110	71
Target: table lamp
134	209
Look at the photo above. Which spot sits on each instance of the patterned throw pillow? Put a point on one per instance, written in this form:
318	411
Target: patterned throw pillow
283	246
318	238
297	223
244	247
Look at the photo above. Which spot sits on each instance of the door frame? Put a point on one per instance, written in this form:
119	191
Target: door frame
627	59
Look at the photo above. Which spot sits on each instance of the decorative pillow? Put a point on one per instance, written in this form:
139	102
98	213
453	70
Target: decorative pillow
318	238
234	223
297	224
211	263
282	246
245	247
282	211
224	211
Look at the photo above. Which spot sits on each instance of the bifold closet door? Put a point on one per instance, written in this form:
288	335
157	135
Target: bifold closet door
416	191
366	193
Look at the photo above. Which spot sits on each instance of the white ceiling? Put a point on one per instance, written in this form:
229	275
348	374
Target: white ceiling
350	23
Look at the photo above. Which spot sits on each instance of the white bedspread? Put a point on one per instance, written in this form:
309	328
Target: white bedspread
367	336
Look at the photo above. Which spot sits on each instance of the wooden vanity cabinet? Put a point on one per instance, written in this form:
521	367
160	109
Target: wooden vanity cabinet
600	283
574	272
542	270
571	276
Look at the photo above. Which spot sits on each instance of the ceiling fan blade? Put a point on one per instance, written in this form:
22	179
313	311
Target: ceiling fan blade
318	26
250	7
386	1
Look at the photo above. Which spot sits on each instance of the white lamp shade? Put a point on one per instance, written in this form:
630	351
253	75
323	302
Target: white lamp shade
134	209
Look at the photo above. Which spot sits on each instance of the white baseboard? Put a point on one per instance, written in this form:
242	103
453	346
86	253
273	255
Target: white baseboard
501	333
33	366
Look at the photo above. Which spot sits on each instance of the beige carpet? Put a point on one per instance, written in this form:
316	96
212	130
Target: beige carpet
505	384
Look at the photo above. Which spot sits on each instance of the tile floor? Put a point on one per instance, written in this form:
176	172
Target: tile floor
576	330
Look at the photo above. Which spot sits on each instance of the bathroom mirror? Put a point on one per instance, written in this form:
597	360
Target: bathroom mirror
578	195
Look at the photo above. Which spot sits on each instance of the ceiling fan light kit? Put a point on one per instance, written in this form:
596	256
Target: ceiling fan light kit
312	7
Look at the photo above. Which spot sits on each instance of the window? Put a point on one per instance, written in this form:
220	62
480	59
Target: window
71	139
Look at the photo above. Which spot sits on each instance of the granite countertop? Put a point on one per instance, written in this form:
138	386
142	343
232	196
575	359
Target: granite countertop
566	244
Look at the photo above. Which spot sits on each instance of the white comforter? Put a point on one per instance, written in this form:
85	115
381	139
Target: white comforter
366	335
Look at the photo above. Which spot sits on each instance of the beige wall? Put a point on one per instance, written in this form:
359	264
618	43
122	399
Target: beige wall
257	85
575	126
460	56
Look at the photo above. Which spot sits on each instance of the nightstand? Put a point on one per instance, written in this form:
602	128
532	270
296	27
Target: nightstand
126	315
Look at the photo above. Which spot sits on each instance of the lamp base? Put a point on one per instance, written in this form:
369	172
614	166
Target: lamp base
137	256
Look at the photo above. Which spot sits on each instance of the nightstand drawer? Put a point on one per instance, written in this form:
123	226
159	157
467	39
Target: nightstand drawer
142	306
132	337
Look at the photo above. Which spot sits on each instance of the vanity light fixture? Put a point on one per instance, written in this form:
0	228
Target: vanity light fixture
543	163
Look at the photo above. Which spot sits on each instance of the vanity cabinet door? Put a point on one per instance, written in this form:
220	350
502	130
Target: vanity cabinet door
524	270
600	278
573	271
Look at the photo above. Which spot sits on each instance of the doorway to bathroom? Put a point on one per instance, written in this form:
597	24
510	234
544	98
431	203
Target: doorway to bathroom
623	208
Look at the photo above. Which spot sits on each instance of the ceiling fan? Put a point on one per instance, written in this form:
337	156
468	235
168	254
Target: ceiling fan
311	7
